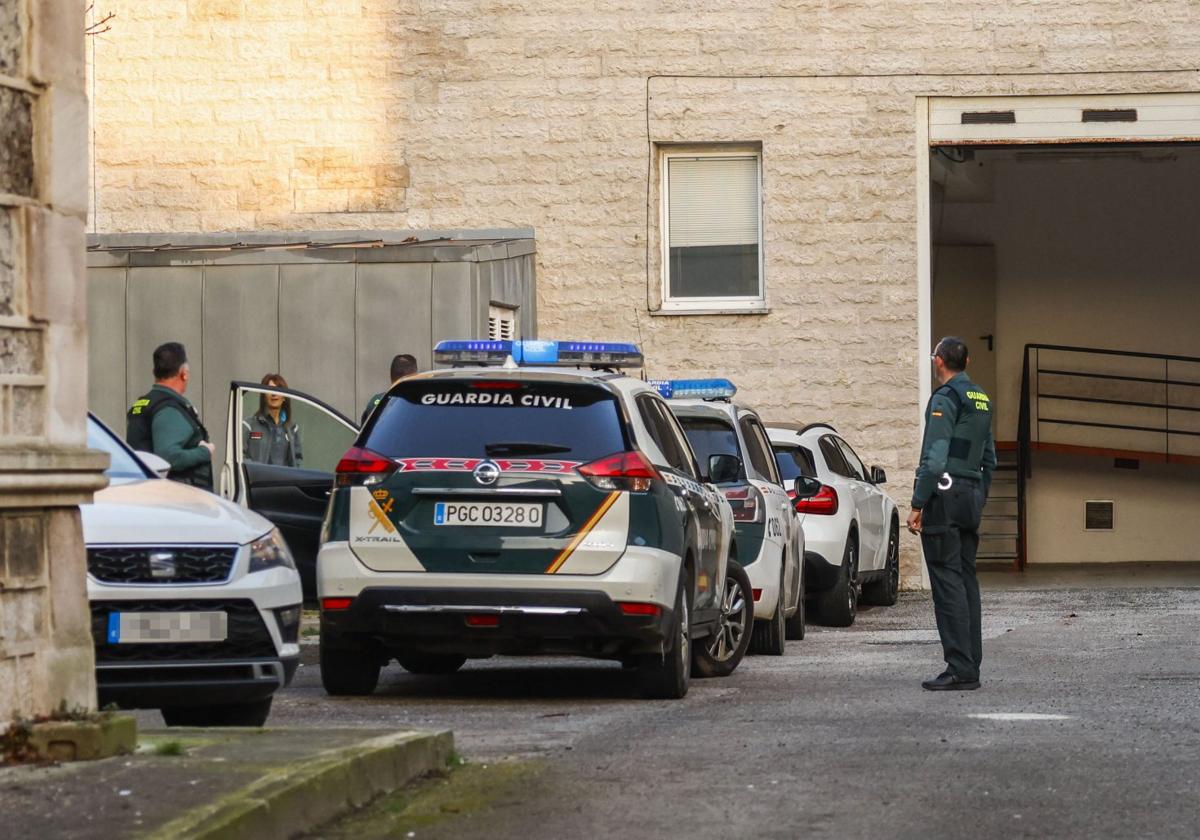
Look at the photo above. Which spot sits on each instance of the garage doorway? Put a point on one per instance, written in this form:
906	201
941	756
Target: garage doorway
1070	222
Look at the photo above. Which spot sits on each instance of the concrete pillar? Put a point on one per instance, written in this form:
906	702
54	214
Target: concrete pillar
46	470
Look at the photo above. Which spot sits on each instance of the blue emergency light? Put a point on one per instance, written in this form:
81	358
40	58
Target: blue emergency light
535	352
694	389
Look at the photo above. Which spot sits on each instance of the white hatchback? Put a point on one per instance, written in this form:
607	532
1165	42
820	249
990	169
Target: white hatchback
851	528
195	601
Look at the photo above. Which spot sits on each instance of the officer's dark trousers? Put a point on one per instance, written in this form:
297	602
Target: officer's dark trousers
950	537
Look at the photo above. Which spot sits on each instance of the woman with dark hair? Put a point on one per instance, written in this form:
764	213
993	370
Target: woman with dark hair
271	436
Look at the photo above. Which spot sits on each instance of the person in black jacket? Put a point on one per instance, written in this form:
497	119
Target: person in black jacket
271	435
164	421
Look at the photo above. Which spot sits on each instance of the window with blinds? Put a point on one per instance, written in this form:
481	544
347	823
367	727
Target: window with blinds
713	221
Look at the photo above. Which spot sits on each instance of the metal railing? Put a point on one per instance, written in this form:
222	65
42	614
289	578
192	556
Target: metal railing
1129	384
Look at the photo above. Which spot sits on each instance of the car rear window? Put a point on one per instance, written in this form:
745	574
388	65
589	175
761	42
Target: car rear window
709	436
794	461
502	419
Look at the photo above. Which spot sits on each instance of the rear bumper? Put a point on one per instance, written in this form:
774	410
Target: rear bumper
153	685
428	620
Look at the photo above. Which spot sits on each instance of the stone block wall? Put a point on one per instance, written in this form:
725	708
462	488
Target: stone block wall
548	114
45	469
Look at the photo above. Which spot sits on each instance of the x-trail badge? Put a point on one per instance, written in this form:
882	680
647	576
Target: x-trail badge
487	473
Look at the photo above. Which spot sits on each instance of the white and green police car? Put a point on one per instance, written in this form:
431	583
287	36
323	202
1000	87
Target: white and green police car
735	455
531	499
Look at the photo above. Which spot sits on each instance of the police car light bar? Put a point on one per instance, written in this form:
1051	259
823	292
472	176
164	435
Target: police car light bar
542	353
694	389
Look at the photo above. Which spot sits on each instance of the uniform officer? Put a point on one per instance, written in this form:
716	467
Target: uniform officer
958	457
403	365
164	422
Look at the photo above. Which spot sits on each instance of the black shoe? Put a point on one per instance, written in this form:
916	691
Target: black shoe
949	682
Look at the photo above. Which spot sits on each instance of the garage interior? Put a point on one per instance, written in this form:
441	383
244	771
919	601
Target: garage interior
1093	246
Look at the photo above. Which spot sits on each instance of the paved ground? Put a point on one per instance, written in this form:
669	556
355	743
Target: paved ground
1088	725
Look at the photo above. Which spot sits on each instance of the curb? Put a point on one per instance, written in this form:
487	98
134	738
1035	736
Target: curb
291	800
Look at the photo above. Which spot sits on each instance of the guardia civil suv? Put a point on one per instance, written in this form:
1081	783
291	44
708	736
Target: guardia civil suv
531	499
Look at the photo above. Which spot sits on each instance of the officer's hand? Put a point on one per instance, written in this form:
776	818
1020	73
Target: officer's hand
209	446
914	522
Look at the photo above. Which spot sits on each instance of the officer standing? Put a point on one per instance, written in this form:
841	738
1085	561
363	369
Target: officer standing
164	422
403	365
958	457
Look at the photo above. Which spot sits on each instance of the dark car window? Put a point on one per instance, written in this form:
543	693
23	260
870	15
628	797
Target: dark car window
709	436
834	458
655	415
121	463
681	440
758	449
794	462
853	460
505	419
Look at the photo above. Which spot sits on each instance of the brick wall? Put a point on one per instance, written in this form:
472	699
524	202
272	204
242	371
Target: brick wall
480	113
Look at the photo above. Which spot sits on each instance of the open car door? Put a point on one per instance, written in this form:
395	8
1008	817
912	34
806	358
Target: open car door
282	465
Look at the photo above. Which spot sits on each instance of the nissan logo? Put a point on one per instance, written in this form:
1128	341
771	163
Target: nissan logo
487	473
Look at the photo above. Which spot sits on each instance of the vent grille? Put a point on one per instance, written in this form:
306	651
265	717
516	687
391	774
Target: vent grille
988	117
162	565
1106	115
502	323
1098	516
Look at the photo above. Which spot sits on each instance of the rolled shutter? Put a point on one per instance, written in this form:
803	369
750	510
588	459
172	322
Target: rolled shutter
713	201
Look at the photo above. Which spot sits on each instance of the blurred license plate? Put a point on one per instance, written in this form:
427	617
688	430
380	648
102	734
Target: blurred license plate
150	627
494	515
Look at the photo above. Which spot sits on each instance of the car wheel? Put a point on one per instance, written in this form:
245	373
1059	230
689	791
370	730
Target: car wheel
227	714
348	673
665	675
838	606
795	625
430	663
885	591
770	634
720	653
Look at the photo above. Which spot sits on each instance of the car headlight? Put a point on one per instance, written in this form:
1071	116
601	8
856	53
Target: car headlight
269	552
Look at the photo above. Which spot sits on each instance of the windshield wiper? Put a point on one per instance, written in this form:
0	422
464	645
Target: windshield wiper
518	447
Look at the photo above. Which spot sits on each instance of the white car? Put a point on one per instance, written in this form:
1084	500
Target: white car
851	526
195	601
734	453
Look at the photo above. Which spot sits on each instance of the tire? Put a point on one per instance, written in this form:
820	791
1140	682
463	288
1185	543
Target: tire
839	605
770	635
885	591
348	673
664	676
254	713
794	629
430	663
720	653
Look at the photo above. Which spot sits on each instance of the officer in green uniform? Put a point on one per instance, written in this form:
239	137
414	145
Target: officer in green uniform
403	365
958	457
164	422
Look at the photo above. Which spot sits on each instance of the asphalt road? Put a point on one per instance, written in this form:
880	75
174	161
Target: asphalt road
1087	725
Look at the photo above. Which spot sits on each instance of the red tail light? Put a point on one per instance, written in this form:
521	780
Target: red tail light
362	466
332	604
485	620
746	503
623	471
634	608
825	502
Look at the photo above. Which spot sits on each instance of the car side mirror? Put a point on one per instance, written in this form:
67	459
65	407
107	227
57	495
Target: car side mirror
878	476
154	463
723	467
805	487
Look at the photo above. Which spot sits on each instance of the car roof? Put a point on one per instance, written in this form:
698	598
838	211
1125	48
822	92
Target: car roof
707	408
798	428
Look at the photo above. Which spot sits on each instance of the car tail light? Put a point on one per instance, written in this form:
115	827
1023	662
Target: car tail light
623	471
362	466
483	620
825	502
336	604
635	608
746	503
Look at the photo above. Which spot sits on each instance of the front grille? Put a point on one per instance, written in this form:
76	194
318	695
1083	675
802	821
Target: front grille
247	638
161	564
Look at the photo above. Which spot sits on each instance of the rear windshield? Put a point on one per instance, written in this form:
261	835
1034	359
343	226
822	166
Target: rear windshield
504	419
794	461
709	437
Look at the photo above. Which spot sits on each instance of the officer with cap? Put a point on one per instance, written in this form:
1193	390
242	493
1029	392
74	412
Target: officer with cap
165	422
958	457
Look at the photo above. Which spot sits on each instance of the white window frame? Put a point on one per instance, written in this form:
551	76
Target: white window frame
707	305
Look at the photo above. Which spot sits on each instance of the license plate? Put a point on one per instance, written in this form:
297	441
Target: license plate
488	514
151	627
